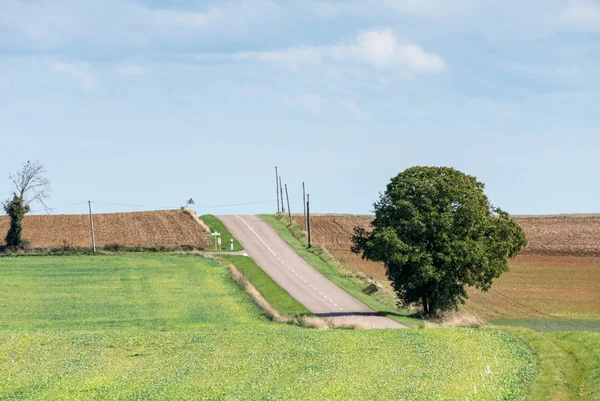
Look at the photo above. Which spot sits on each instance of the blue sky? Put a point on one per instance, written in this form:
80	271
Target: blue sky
151	102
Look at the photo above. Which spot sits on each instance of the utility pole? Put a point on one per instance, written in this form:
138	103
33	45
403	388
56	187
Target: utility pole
288	203
92	227
308	219
281	190
304	205
277	188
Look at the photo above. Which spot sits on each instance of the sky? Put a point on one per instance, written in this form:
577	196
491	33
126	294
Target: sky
137	105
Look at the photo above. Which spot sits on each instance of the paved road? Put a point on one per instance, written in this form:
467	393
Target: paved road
297	277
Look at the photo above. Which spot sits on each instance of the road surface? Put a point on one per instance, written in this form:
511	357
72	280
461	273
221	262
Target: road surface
312	289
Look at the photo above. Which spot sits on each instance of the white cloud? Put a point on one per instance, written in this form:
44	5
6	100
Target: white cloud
176	19
131	70
431	8
38	22
382	49
79	72
583	15
493	20
291	57
377	48
412	8
49	23
319	106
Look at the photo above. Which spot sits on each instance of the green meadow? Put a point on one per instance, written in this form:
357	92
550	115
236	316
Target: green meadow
176	327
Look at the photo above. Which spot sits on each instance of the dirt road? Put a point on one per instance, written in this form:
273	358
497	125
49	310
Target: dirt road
297	277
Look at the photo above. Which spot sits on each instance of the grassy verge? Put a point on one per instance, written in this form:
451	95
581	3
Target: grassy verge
175	327
216	225
276	296
68	250
584	348
568	364
326	264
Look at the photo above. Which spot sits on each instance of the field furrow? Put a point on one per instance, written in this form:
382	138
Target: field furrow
157	228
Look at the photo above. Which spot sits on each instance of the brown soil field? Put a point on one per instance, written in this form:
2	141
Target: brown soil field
561	235
557	275
156	228
565	235
539	287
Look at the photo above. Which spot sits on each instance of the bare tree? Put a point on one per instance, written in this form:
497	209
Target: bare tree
30	185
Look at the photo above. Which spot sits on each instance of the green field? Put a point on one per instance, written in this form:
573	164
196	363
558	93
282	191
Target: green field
145	291
165	327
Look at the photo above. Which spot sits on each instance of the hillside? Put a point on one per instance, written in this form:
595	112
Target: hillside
557	275
156	228
177	327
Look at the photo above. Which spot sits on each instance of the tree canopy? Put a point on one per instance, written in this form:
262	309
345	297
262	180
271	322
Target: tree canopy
437	233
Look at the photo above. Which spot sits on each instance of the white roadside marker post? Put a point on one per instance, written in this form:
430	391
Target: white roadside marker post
219	242
217	236
232	245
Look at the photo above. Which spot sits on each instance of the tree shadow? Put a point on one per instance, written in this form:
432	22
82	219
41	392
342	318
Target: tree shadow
379	313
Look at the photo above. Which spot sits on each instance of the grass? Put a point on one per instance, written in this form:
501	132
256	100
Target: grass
280	364
323	262
584	348
174	327
276	296
216	225
569	364
166	292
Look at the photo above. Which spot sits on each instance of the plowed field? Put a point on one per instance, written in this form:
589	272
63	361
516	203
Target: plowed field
558	274
565	235
156	228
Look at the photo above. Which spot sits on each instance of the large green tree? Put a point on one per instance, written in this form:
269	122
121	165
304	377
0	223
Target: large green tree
437	233
29	185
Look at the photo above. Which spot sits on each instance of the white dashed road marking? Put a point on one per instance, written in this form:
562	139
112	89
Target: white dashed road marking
258	236
281	261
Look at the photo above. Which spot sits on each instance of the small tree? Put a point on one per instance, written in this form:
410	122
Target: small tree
29	185
437	233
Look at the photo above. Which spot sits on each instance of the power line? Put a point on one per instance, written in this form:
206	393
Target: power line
58	207
52	209
176	207
140	206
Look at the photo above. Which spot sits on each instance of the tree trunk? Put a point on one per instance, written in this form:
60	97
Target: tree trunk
433	308
425	306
